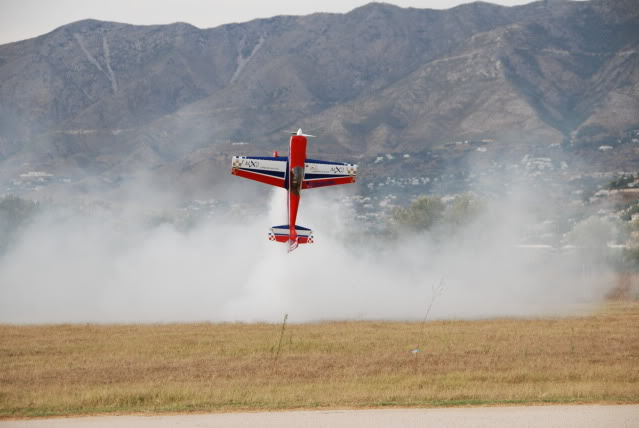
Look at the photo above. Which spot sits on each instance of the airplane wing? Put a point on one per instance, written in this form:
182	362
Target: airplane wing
267	170
318	173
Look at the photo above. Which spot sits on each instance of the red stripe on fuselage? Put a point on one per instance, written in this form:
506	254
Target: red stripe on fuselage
296	158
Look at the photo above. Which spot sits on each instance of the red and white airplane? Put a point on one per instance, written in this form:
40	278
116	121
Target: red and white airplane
293	173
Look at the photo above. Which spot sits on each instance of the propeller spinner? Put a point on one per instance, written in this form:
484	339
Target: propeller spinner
300	133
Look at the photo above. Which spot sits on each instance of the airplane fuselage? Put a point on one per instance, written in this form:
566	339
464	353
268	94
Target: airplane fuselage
297	159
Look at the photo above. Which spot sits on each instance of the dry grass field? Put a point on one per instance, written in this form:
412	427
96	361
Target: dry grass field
80	369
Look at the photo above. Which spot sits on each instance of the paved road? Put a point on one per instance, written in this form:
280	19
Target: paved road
537	416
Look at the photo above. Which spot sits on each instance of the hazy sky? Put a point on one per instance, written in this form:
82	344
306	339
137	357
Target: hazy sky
23	19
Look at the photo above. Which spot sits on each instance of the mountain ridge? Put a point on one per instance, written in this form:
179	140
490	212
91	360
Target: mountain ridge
103	96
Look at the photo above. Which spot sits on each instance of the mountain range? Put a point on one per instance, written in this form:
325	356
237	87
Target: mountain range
111	98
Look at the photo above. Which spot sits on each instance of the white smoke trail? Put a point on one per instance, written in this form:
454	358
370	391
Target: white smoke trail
88	269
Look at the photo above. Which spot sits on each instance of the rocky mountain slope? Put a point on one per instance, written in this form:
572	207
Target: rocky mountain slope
110	97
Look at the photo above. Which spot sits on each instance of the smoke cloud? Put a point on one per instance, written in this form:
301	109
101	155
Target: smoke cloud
67	267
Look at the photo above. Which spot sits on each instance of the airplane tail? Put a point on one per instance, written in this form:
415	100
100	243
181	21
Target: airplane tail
282	234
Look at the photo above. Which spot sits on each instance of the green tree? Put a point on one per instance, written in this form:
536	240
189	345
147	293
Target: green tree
592	233
591	237
463	210
422	214
630	233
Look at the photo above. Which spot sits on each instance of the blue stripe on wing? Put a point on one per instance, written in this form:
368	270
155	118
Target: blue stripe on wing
313	176
279	158
326	162
279	174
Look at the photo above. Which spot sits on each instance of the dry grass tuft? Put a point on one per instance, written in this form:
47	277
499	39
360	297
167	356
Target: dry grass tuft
77	369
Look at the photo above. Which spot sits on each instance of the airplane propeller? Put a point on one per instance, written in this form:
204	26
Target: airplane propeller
300	133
